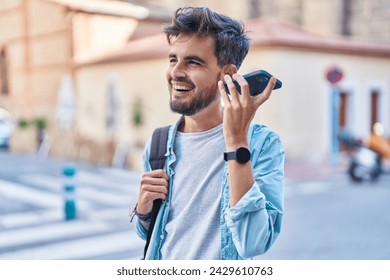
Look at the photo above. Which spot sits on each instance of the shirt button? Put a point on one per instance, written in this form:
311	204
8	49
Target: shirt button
161	237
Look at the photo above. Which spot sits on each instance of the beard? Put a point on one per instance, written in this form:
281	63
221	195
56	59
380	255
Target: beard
199	101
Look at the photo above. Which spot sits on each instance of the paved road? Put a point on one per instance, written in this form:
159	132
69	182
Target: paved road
326	217
331	218
32	224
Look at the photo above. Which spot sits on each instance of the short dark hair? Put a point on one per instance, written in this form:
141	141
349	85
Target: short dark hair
231	41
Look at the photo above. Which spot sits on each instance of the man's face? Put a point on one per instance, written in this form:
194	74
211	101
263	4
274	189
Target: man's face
193	74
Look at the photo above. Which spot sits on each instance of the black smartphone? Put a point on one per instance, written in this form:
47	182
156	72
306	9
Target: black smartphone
257	82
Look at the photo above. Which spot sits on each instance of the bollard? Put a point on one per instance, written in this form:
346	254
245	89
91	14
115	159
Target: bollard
69	173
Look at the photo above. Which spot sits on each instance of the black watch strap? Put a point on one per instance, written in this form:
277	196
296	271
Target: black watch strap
241	155
229	155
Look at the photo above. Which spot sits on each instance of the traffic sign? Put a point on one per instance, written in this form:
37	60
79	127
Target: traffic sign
334	74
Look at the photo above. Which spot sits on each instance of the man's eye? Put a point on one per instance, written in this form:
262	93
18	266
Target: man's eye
194	62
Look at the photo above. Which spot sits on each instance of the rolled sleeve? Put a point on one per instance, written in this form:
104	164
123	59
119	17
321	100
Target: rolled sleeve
141	231
255	221
252	201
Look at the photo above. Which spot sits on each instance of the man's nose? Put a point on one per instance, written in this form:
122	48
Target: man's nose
178	71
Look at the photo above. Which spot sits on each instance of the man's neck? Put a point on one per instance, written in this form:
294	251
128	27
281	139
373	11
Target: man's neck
204	120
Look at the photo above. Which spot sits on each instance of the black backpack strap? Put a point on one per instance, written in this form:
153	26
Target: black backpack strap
157	161
158	147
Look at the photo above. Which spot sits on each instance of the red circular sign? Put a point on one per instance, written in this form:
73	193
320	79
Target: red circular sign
334	75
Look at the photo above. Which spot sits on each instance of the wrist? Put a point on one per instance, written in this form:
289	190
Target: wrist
146	218
232	145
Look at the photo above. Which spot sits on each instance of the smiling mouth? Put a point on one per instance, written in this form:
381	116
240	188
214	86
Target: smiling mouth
182	88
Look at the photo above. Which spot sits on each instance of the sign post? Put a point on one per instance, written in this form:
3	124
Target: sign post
333	76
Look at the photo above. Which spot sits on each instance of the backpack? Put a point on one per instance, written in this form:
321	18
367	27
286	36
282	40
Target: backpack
157	161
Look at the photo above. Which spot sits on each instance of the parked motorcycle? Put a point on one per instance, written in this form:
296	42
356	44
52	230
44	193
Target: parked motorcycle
365	164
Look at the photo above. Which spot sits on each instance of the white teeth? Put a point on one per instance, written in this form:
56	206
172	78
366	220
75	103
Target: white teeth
177	87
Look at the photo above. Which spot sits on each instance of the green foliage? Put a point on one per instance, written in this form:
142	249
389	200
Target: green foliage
39	123
23	123
138	118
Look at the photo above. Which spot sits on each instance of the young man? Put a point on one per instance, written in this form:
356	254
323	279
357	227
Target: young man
212	208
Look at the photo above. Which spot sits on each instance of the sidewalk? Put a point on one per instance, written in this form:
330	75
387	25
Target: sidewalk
310	171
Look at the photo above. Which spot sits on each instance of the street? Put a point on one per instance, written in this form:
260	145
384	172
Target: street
333	219
32	223
326	217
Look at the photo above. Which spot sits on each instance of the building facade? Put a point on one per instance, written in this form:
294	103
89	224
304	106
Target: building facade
95	70
367	20
42	41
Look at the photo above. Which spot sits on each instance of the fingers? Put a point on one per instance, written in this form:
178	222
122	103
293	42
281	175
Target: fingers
243	85
155	181
154	185
261	98
232	87
154	192
235	95
223	92
158	173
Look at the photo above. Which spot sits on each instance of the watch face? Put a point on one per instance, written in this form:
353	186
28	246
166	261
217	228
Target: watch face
243	155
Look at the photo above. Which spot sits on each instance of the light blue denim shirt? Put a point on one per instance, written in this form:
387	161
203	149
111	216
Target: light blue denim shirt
253	224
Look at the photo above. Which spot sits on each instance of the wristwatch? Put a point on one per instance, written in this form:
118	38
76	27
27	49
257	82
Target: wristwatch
241	155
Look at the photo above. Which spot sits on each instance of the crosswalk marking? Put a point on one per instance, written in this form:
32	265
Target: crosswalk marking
50	183
29	195
102	181
103	201
83	190
110	214
32	196
45	233
124	175
15	220
84	180
41	217
85	248
104	197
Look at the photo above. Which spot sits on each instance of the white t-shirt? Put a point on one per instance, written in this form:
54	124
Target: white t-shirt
193	228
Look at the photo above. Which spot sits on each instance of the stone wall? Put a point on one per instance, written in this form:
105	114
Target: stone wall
364	19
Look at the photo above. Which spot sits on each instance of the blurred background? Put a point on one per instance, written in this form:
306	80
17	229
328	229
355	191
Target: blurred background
84	82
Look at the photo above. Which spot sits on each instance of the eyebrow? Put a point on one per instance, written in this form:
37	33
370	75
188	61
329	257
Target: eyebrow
189	57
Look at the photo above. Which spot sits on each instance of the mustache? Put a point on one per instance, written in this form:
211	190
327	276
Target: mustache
184	80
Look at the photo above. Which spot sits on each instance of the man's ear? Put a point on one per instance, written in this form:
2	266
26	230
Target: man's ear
229	69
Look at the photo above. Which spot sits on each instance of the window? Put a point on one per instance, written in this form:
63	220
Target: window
3	72
344	125
254	11
343	110
374	107
346	14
